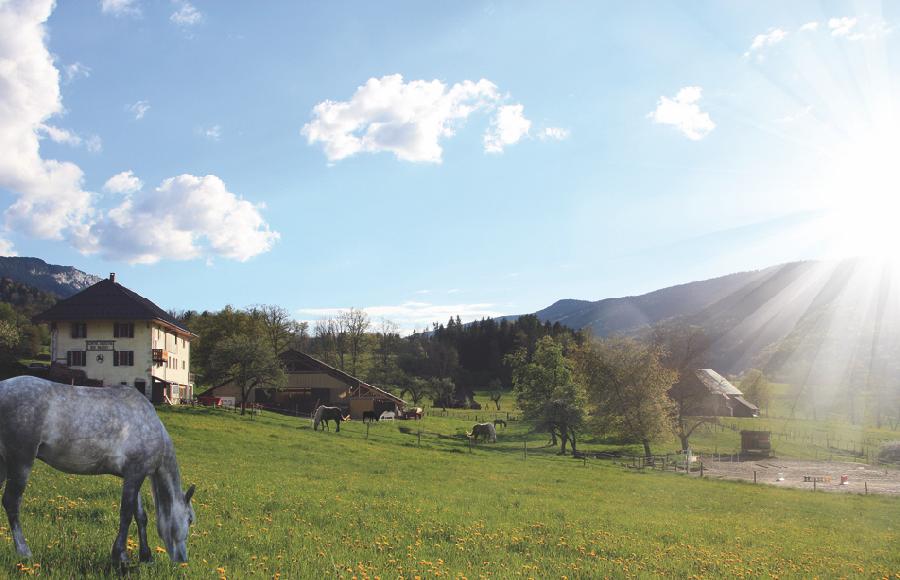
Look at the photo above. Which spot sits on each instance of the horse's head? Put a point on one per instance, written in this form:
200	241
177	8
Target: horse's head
174	526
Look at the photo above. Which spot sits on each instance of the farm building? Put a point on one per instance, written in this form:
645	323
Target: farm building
711	395
310	383
110	335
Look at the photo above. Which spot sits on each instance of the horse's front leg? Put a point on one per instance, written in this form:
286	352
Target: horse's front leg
140	516
16	480
130	490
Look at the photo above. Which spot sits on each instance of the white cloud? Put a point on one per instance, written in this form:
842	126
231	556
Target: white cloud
120	7
124	182
553	134
810	27
6	248
796	116
414	315
842	26
507	128
186	15
50	201
770	38
684	113
75	71
58	135
407	119
139	109
94	144
213	133
186	217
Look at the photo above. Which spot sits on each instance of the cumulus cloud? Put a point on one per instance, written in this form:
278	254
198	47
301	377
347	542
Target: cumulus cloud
770	38
683	113
186	217
139	109
75	71
507	128
50	201
553	134
214	133
120	7
410	119
186	15
810	27
124	182
6	248
842	26
414	315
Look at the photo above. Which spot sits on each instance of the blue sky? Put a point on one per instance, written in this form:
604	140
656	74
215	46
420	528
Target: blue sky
421	159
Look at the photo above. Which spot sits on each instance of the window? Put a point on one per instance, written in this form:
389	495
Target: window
79	330
76	358
123	330
182	365
123	358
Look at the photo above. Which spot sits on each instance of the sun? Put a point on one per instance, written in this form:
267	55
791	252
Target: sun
861	195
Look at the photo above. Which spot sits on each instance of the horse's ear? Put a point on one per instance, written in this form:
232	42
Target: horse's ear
189	494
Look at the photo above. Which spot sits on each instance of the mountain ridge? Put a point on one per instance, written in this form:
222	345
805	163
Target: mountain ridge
61	281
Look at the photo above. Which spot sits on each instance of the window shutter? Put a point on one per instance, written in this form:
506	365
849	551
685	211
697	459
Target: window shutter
69	358
131	358
116	357
115	332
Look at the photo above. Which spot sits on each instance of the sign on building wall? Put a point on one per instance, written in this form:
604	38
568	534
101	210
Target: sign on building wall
100	345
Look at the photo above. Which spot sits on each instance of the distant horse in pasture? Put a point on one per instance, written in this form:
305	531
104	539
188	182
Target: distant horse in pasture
94	431
325	414
387	416
500	422
370	416
484	431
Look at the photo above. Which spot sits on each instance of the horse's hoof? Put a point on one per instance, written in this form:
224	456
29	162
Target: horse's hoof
24	552
146	558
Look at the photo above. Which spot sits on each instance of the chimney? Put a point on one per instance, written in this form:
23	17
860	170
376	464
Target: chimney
112	276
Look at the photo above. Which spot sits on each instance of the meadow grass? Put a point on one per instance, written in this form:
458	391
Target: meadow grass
278	499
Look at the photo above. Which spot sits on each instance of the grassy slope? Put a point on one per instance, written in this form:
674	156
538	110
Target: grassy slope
274	496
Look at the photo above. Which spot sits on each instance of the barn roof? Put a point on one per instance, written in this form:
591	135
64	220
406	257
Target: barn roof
716	383
109	300
297	361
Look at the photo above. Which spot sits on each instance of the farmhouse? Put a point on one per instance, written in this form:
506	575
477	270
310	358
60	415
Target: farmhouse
310	383
714	396
117	337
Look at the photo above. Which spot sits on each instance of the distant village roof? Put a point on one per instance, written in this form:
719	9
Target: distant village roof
108	300
716	383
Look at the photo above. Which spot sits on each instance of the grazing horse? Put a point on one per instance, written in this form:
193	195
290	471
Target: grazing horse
485	431
500	422
93	431
325	414
370	416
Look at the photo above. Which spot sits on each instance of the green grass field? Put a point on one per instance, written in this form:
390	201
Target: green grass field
277	499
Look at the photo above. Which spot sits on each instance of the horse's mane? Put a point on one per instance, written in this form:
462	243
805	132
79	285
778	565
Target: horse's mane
317	417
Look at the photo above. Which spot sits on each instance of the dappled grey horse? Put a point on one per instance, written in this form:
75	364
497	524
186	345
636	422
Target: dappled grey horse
92	431
484	431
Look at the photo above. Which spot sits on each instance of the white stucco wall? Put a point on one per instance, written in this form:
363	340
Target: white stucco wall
148	335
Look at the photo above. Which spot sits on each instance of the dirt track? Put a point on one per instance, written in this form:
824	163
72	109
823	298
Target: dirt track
768	471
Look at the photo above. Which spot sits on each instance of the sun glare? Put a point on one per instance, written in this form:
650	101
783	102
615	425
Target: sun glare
861	192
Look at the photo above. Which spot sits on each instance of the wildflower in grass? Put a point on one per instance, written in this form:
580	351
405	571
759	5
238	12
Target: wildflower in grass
160	550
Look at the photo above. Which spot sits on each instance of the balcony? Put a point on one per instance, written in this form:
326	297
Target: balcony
160	355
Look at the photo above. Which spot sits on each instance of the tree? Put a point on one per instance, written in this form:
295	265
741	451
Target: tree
547	391
353	324
682	348
496	392
757	389
416	388
627	388
442	390
249	362
278	325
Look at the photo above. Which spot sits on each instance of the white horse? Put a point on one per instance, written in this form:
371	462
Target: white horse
93	431
485	431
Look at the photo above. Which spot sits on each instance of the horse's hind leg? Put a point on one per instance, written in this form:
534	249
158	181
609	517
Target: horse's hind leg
140	516
16	480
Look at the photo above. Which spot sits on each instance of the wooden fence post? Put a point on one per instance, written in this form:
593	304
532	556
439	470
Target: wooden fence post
420	437
525	449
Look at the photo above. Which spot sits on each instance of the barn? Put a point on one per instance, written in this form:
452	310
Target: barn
714	396
310	383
